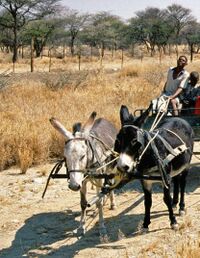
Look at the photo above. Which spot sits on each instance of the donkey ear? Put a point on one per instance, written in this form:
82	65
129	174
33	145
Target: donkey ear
59	127
88	125
124	114
141	119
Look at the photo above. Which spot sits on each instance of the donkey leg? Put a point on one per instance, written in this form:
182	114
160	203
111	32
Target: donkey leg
168	202
182	198
83	191
147	203
102	228
112	200
176	181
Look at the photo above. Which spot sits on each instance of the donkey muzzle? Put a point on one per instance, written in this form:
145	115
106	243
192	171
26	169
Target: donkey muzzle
74	187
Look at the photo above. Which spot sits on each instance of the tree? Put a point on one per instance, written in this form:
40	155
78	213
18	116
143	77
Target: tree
19	12
74	23
192	35
179	18
41	31
150	27
103	31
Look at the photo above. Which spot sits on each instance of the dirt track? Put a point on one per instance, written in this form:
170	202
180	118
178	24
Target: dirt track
34	227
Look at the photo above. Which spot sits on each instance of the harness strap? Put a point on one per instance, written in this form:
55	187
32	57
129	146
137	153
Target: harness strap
54	172
173	151
95	152
165	177
178	150
105	145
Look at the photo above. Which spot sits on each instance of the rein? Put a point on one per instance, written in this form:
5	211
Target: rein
161	112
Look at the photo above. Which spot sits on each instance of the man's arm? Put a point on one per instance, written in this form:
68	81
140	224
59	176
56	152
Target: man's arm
178	91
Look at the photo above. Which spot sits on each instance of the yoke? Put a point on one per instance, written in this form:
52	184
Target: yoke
118	177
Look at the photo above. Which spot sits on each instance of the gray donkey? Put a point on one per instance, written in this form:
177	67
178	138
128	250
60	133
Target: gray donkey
88	147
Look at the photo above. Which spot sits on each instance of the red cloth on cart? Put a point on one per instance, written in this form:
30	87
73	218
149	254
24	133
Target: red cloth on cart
197	106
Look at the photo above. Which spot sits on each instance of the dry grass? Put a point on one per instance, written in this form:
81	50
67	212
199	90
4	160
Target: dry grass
187	223
26	105
189	249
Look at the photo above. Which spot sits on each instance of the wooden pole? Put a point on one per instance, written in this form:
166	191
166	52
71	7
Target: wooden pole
50	59
79	60
32	54
122	58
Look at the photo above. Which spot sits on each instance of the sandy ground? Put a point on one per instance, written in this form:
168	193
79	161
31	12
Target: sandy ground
34	227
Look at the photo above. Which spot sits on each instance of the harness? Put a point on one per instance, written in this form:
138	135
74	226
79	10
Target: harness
90	167
90	148
162	164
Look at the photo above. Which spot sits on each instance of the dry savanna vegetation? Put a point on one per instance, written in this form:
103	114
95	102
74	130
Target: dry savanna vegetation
70	93
27	101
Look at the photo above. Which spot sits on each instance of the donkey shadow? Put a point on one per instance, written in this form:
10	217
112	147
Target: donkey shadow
40	233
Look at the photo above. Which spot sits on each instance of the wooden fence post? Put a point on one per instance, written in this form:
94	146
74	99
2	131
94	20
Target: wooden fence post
32	54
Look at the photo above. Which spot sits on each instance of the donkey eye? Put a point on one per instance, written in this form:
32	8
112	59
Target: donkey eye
133	142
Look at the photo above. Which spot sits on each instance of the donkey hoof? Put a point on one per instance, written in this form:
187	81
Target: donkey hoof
103	236
144	230
113	207
80	231
104	239
174	207
174	226
102	231
182	212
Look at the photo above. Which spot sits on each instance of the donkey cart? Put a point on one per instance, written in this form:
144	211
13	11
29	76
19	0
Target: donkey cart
117	179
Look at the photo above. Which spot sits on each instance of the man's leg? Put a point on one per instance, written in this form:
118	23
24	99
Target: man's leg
175	106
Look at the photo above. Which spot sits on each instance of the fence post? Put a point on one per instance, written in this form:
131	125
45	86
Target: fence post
32	54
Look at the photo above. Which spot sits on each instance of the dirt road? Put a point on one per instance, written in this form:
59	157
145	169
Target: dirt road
34	227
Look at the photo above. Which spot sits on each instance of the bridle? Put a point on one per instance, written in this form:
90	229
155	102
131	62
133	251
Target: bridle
140	137
91	164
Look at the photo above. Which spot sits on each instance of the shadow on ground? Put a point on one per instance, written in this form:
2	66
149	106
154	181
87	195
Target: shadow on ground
51	234
42	232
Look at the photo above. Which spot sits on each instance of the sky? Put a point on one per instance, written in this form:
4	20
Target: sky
126	8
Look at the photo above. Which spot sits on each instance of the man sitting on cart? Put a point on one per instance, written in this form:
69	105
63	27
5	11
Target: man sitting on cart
175	83
190	93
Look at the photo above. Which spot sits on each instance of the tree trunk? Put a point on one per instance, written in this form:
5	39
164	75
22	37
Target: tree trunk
32	54
132	50
15	45
191	52
72	45
22	51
